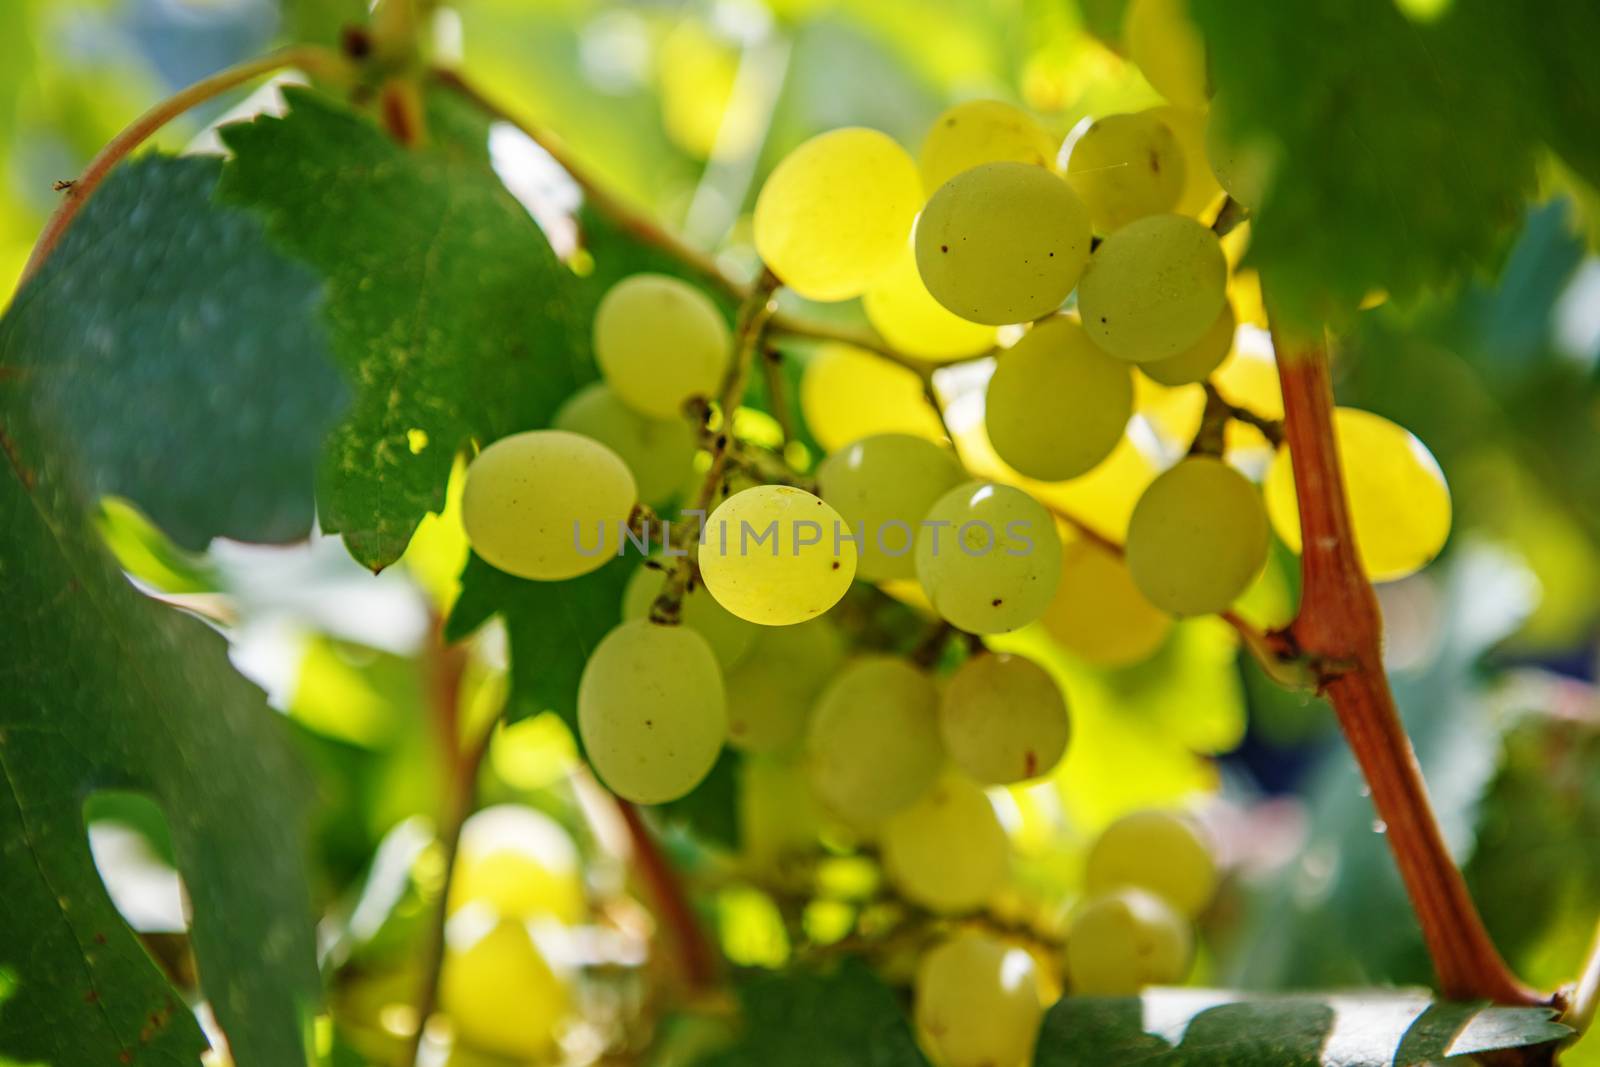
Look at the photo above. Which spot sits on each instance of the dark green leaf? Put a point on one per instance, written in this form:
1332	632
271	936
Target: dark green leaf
444	301
1218	1028
711	810
182	356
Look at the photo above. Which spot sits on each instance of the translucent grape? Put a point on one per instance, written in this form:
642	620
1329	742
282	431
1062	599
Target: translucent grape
902	310
1157	851
982	131
1098	612
1153	288
546	504
776	555
1123	941
651	711
835	213
989	557
730	637
500	993
659	452
882	486
1002	243
977	1002
1168	48
847	394
946	850
1399	502
1200	187
873	743
771	693
660	341
519	863
1198	537
1003	719
1124	167
1196	363
1057	405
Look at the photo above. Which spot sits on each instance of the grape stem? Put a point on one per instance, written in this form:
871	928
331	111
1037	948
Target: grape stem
1338	626
694	953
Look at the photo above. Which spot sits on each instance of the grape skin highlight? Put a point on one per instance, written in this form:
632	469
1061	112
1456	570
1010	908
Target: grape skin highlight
659	452
1156	851
882	486
989	557
660	341
1125	167
982	131
1153	288
776	555
873	744
546	504
1198	537
1123	941
977	1002
1003	719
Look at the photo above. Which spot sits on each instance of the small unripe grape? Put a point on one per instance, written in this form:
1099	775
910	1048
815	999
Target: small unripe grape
982	131
1003	719
946	850
1153	288
1198	537
1157	851
1168	48
978	1002
1124	167
1196	363
501	994
989	557
873	743
659	452
1123	941
728	635
882	486
546	504
660	341
651	711
776	555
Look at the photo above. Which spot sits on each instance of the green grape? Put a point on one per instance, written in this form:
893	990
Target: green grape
1399	502
776	555
847	394
1153	288
499	992
1157	851
989	557
977	1002
1123	941
1124	167
1098	612
770	694
835	213
1168	48
730	637
1243	166
546	504
982	131
659	452
779	818
651	711
873	743
1200	187
946	850
1057	405
1002	243
1196	363
882	486
900	308
1003	719
520	864
1198	537
660	341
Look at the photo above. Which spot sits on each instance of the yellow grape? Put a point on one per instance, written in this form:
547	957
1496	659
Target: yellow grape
835	213
873	743
1002	243
776	555
651	711
1003	719
902	310
659	452
1198	537
1056	405
982	131
1399	502
501	994
1098	612
977	1002
546	504
519	863
882	486
847	394
1167	46
770	694
1157	851
989	557
1123	941
1125	167
659	341
1200	188
1196	363
1153	288
729	636
946	850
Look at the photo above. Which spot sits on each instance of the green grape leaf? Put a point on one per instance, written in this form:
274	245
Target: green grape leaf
105	689
711	810
1401	151
445	304
1220	1028
183	356
848	1018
